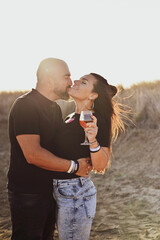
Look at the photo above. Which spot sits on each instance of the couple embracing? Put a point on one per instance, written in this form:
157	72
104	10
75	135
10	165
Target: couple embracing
48	177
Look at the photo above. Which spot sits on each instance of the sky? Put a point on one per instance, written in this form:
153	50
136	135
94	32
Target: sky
119	39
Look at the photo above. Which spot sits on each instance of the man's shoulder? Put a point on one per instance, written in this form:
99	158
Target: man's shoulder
23	101
26	97
29	96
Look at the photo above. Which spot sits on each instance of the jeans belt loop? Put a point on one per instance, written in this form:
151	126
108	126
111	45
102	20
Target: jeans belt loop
57	183
81	181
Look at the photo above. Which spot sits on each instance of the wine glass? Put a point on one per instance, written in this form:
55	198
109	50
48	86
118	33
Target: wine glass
85	117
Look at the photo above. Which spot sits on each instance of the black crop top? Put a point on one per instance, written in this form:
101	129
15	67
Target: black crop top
71	135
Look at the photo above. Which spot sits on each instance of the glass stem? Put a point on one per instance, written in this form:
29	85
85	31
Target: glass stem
86	139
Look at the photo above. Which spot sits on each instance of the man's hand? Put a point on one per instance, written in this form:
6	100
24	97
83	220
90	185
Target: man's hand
85	167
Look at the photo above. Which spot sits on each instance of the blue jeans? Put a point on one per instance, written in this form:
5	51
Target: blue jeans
76	207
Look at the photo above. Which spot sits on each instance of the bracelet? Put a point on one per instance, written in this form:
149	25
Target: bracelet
72	167
93	150
76	167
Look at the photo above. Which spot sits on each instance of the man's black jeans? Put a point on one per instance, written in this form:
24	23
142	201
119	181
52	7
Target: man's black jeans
32	216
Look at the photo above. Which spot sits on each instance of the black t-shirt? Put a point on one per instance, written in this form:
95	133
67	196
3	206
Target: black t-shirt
32	113
71	135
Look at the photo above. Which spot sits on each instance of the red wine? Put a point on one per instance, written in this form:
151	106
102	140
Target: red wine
83	123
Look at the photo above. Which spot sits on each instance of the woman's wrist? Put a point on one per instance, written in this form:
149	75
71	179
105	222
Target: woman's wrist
94	143
94	150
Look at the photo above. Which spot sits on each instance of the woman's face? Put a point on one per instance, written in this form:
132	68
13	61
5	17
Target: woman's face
82	89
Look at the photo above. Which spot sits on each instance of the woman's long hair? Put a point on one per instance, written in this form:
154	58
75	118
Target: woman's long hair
107	107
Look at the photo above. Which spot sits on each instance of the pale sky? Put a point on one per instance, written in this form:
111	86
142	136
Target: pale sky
119	39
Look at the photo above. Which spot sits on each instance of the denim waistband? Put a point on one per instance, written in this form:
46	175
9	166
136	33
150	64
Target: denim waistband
81	180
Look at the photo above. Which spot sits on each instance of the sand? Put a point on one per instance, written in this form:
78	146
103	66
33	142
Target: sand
128	200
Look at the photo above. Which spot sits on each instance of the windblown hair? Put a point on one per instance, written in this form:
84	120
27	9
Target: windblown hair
107	107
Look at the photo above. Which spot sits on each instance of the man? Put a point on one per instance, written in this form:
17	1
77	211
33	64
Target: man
33	125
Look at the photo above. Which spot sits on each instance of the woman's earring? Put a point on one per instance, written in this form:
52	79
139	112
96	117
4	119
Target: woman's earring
92	105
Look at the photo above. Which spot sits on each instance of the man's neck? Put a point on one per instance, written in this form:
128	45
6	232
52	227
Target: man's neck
47	94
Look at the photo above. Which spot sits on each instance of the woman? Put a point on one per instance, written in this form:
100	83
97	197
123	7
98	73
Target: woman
76	196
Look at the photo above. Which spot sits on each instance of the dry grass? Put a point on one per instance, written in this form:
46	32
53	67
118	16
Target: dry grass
143	100
6	101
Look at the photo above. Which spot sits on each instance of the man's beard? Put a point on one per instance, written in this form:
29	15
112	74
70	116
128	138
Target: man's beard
61	94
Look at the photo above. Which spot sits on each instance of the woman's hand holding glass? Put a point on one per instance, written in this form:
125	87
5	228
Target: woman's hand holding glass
91	130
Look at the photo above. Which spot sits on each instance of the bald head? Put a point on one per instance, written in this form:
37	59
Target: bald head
50	67
53	78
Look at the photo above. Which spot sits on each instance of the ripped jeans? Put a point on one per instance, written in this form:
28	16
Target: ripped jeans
76	207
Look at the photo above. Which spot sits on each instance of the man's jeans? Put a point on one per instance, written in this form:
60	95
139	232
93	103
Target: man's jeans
76	206
32	216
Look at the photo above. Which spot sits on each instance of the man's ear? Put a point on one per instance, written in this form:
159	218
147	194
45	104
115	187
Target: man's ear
93	96
50	82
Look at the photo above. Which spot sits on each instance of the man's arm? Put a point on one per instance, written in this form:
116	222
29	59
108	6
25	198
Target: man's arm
40	157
